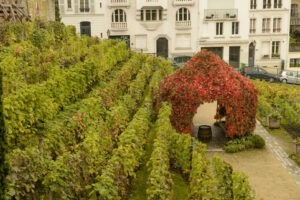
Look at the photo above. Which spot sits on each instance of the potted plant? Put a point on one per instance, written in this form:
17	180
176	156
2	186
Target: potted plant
274	120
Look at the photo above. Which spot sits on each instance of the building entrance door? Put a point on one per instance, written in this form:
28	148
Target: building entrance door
251	56
162	47
234	57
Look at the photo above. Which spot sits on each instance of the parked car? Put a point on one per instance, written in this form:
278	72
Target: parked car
259	73
288	76
176	64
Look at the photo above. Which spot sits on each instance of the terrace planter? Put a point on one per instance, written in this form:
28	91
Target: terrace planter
273	122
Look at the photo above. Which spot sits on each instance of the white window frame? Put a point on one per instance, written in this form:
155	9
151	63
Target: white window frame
275	48
266	25
84	6
252	4
267	4
235	28
118	15
151	14
252	25
69	4
219	28
276	25
277	3
183	14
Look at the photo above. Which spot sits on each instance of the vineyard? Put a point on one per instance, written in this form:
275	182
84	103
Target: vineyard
78	113
282	100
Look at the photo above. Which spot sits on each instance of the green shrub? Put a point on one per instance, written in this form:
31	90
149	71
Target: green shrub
233	148
258	141
245	142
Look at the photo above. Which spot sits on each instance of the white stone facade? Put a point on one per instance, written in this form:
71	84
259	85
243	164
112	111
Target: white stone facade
179	28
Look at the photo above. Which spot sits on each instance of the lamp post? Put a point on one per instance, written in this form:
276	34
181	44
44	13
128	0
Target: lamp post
108	33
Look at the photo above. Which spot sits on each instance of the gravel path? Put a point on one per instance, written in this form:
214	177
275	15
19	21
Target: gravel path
271	173
279	153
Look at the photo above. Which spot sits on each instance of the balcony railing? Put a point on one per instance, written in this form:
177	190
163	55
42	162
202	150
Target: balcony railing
295	21
252	30
149	3
183	2
219	14
295	47
183	24
276	30
266	30
84	10
119	26
118	3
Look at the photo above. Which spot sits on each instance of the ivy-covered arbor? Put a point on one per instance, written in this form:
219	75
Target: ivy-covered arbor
207	78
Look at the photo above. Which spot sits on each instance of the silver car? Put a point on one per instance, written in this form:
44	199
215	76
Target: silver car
288	76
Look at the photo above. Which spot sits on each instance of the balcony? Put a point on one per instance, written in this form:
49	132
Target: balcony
118	3
183	24
183	2
220	14
295	47
119	26
295	21
151	3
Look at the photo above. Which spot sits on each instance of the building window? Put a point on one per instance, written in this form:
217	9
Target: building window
151	14
183	14
69	2
252	4
295	62
118	16
276	25
277	4
294	10
219	28
266	4
235	28
252	25
266	25
84	6
85	28
275	49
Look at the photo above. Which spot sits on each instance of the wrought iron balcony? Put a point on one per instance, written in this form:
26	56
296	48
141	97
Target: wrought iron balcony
183	2
116	3
220	14
295	21
183	24
119	26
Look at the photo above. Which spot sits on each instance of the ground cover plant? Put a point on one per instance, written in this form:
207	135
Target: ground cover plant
78	112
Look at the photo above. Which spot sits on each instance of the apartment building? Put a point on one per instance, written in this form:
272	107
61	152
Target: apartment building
269	33
248	32
294	50
88	16
41	9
